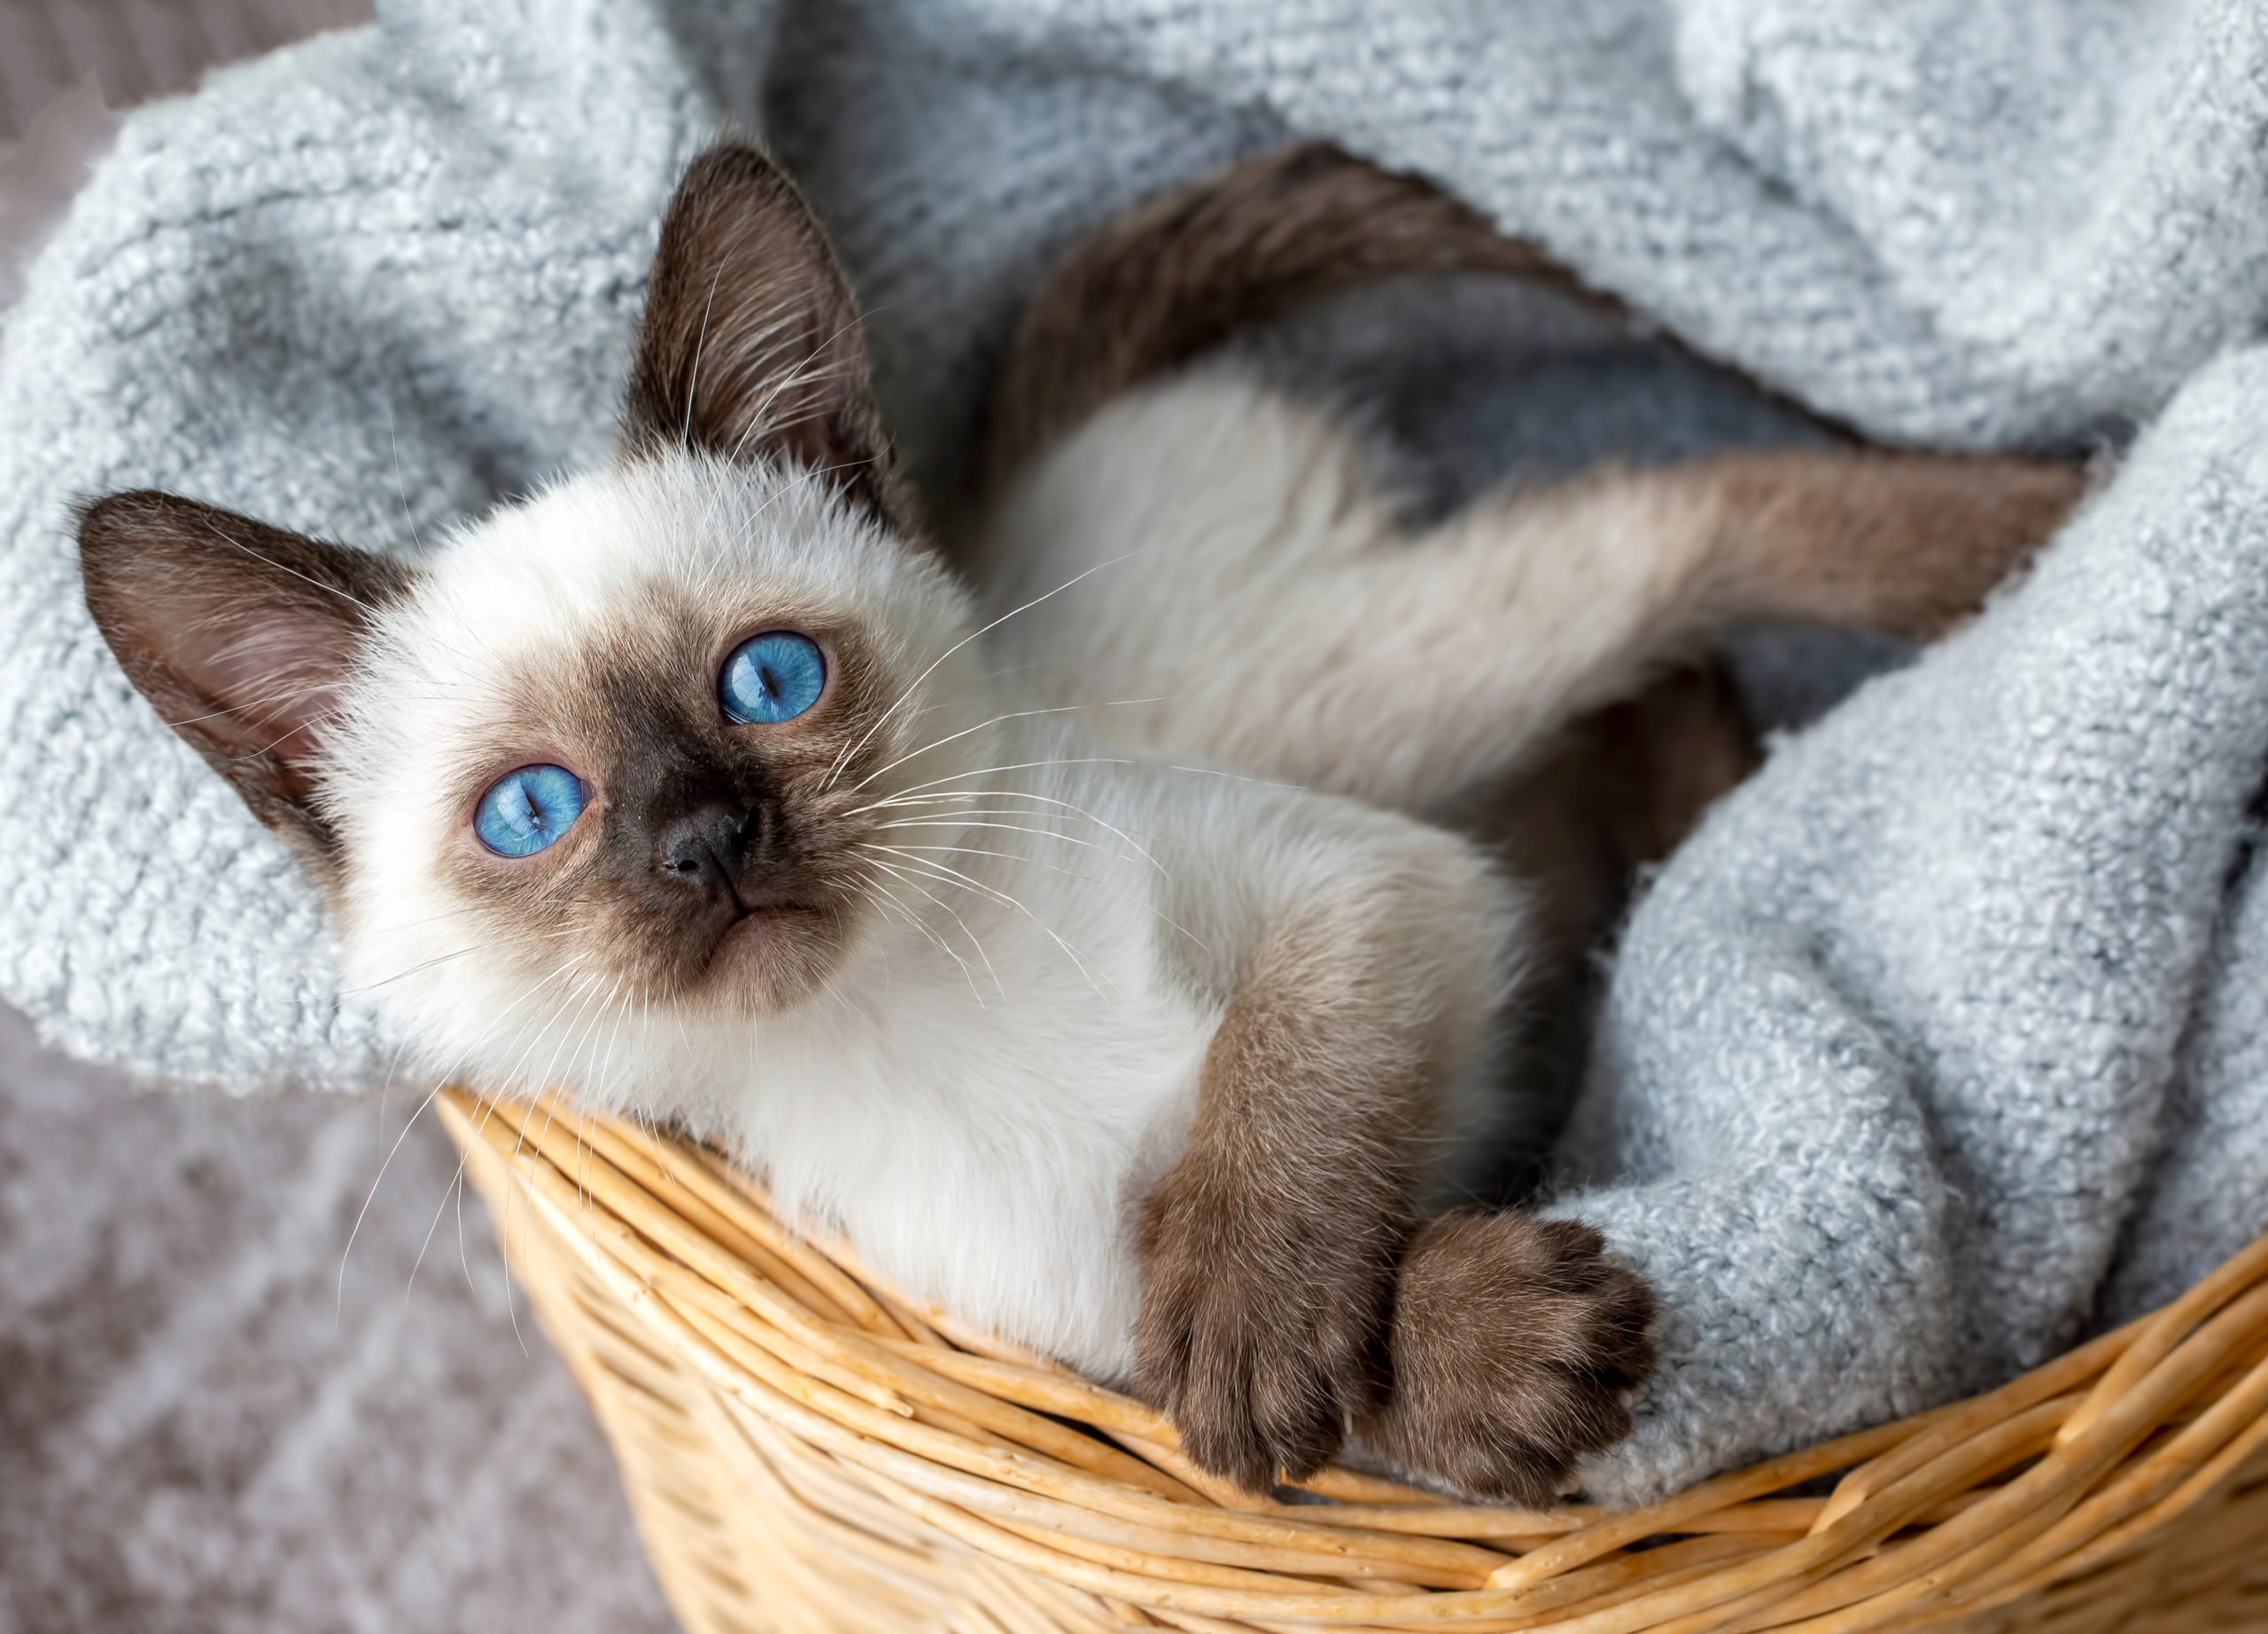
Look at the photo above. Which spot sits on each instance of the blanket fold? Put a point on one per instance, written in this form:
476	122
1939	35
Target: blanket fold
1944	1040
1903	1021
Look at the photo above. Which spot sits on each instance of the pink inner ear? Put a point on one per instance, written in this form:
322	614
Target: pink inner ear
273	675
242	635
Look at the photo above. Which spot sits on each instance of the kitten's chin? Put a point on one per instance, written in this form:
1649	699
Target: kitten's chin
773	957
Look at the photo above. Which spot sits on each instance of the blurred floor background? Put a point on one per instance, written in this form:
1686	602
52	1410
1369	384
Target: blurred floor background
67	66
213	1417
141	49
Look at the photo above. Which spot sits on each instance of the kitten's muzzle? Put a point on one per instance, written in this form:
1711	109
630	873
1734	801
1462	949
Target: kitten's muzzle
715	850
724	896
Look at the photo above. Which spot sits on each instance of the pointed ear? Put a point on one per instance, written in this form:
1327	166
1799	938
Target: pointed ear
240	634
750	345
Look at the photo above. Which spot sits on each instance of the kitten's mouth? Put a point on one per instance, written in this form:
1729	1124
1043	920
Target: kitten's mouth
769	953
759	922
756	916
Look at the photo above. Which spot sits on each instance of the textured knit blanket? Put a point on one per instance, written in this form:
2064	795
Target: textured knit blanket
1946	1040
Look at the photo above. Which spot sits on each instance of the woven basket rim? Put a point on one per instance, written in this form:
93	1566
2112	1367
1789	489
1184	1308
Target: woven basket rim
1955	1511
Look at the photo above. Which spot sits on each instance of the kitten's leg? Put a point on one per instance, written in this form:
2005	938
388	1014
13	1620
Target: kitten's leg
1426	668
1269	1251
1908	544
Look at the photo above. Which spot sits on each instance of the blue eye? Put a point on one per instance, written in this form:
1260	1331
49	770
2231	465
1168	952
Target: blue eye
772	677
524	811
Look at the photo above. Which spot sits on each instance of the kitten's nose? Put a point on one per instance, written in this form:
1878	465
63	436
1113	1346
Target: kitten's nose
708	849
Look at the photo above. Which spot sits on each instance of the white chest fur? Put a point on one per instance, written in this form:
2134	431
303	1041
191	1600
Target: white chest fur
982	1133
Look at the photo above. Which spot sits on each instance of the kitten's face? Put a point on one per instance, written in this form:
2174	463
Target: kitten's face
615	749
705	850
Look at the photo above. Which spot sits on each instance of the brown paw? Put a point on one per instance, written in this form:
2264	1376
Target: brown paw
1260	1322
1513	1342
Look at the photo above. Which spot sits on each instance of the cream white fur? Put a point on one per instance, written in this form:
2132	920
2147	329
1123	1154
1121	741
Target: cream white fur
997	1070
1260	581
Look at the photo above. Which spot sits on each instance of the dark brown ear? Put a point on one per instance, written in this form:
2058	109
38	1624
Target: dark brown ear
750	347
240	633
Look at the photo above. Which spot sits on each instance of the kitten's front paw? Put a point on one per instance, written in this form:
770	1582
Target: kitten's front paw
1260	1324
1514	1339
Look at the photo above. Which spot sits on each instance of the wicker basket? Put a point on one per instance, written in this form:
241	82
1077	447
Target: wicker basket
806	1450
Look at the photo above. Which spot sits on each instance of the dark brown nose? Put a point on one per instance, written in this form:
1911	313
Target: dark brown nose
709	850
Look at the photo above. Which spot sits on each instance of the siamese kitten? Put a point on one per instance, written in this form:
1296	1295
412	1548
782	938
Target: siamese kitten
1294	626
687	785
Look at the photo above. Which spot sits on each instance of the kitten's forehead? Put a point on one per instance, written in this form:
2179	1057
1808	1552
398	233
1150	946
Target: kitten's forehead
632	554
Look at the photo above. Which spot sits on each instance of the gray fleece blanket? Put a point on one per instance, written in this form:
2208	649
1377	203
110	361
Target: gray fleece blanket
1947	1037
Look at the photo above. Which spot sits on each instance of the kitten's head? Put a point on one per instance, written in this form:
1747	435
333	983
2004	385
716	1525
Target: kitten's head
618	746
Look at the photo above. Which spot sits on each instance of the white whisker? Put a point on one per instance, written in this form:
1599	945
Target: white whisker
913	919
1048	799
957	820
844	758
1054	867
1019	714
948	875
986	771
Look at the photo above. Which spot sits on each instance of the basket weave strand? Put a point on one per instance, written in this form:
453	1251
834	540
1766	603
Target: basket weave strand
805	1449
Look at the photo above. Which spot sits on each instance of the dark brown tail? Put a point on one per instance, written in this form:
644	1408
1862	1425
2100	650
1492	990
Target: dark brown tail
1247	246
